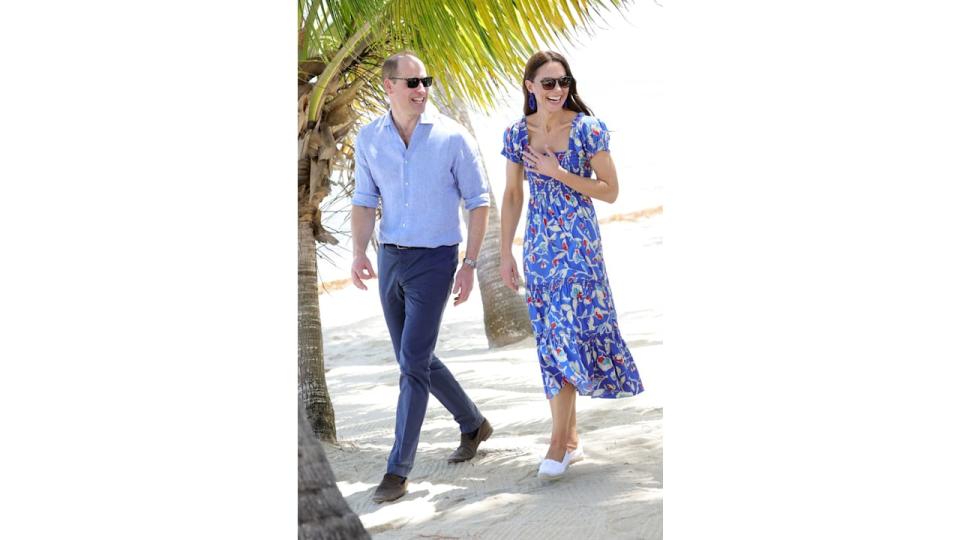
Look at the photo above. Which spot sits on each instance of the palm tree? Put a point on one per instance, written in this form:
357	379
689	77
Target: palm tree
476	49
505	314
323	513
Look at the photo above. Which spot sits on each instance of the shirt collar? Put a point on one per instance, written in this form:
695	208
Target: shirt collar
429	116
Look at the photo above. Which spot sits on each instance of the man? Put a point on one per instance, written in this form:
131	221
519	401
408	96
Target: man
419	166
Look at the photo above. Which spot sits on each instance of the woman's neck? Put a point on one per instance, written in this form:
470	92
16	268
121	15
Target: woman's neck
550	120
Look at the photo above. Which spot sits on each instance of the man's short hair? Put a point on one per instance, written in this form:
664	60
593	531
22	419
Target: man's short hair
393	61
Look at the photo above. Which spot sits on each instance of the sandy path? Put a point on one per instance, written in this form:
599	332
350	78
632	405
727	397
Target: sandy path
614	493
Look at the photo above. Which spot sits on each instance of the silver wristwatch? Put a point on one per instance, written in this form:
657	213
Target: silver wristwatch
470	262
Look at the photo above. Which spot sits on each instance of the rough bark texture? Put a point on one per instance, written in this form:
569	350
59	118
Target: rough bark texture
506	319
322	149
323	513
313	384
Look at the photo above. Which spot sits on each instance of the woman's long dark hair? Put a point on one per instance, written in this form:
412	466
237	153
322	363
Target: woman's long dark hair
573	102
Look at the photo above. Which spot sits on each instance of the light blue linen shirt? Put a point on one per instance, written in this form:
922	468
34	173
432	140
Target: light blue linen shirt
420	186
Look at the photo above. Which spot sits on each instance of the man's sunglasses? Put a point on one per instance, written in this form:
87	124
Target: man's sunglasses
549	83
413	82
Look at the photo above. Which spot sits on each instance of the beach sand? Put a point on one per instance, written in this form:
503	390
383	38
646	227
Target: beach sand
616	492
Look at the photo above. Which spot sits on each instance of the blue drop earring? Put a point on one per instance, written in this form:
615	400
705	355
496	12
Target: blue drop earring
568	102
532	102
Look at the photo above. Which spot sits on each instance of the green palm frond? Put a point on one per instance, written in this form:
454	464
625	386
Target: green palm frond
475	48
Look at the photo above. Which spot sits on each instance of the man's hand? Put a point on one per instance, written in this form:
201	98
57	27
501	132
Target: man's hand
462	285
360	270
508	272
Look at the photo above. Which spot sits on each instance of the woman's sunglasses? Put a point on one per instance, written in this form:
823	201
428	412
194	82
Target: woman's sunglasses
549	83
413	82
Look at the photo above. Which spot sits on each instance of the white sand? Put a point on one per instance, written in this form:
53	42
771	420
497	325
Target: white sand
614	493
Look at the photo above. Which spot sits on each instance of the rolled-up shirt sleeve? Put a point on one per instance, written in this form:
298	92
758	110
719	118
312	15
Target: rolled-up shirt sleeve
467	170
365	191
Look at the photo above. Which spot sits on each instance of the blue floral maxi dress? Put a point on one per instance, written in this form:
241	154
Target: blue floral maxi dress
568	295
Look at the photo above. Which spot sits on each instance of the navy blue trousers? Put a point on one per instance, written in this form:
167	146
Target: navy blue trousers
414	287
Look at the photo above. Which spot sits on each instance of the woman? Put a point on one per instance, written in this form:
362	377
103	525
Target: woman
556	147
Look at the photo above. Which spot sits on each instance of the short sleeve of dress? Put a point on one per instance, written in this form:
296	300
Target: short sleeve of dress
594	135
512	146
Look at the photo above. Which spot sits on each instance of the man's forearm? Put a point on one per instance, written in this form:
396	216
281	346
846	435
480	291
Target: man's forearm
476	228
362	220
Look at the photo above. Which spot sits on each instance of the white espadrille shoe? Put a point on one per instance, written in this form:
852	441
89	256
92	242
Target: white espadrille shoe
551	469
575	456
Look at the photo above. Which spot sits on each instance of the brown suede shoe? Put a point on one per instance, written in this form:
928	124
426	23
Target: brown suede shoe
468	446
391	488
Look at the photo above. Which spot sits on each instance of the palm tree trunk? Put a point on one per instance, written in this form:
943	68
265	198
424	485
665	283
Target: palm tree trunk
319	148
313	384
506	318
323	513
